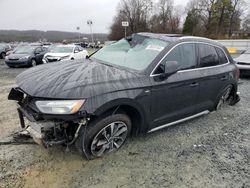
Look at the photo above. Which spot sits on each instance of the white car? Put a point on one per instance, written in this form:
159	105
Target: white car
64	52
243	62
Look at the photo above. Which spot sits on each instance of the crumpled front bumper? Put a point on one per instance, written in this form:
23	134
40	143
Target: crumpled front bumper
39	130
45	129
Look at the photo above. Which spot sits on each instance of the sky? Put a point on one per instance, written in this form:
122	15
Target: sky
63	15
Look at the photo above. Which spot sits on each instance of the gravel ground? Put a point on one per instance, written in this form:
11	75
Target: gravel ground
211	151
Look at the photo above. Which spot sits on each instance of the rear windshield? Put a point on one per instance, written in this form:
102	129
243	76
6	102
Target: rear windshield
134	53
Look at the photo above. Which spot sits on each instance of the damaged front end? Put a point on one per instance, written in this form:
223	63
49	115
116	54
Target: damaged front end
47	129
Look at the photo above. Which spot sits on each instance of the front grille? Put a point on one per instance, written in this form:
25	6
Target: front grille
52	60
13	59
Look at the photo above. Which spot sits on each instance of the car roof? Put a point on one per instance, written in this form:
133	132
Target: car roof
179	38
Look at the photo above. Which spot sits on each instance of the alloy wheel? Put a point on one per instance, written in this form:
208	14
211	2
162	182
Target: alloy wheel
109	139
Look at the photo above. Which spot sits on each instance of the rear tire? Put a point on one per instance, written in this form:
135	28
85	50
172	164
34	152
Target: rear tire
103	136
224	98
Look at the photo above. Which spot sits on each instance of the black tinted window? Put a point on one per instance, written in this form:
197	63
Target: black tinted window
222	56
208	55
38	50
184	54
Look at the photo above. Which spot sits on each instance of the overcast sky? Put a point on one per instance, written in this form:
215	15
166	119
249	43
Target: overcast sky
64	15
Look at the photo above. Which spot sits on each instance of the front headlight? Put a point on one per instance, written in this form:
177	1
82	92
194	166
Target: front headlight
25	57
59	106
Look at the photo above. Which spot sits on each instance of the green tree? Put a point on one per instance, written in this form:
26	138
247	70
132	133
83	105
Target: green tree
191	23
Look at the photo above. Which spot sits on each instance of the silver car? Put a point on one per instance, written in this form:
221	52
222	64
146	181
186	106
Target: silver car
243	62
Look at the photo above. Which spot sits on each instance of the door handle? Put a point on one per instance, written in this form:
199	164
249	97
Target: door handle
194	84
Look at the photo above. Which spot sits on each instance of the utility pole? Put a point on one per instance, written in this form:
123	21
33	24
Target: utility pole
90	23
78	28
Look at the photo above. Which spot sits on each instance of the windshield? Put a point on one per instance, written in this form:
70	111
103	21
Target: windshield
61	49
136	53
24	50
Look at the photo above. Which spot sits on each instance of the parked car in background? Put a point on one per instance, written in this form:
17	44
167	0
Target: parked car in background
139	84
243	62
64	52
4	48
30	55
82	44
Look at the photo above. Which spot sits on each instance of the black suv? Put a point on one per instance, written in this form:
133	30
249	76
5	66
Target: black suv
137	85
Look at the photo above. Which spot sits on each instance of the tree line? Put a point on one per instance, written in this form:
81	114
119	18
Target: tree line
209	18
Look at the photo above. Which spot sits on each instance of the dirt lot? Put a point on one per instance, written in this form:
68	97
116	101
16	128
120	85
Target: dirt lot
211	151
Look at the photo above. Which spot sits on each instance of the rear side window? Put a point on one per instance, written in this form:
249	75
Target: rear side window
222	56
208	55
184	54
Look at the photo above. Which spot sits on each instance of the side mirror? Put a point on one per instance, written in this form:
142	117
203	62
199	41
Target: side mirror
171	67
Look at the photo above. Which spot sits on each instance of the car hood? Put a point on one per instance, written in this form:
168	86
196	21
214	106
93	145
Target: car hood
57	54
245	58
17	56
76	79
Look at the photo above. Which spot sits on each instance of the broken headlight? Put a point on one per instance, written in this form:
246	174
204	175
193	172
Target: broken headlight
59	106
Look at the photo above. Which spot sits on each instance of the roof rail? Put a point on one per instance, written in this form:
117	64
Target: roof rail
194	37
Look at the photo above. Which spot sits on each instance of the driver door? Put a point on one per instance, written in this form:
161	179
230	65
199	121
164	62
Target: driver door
175	97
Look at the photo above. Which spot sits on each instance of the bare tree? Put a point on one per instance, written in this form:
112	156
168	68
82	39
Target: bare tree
136	12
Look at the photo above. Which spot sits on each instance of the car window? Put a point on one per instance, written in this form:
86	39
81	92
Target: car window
208	55
38	50
76	49
44	49
184	54
222	56
80	48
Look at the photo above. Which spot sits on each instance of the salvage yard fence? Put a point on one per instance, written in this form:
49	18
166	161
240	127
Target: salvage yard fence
235	46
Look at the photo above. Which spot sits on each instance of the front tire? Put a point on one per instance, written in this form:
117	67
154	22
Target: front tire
3	55
33	63
103	136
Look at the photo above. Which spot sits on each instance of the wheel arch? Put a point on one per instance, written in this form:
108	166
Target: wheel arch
129	107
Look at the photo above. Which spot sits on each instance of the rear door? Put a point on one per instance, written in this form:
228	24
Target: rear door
175	98
215	75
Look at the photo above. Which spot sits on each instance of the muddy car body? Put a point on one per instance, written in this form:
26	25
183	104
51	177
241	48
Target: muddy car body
97	103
